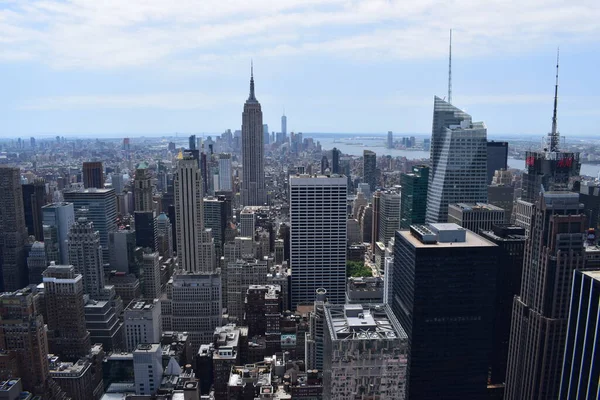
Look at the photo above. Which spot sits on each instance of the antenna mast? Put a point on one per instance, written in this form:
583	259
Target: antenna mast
450	71
554	135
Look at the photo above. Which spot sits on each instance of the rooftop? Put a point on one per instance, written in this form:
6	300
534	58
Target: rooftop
476	207
363	322
592	274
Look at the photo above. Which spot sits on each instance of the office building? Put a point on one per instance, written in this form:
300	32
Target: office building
57	219
497	158
13	231
142	188
315	336
102	211
510	240
192	142
540	314
376	219
23	338
389	215
63	293
147	368
93	175
193	304
34	198
76	378
247	222
443	294
102	321
150	285
225	175
284	126
475	216
589	195
215	219
370	169
318	237
195	247
144	229
365	352
502	196
335	161
458	170
364	290
163	236
142	323
37	262
85	254
122	250
253	174
580	366
550	168
241	274
414	196
117	181
390	140
127	286
262	314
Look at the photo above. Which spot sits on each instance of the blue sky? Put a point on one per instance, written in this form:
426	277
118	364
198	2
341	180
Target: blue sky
115	68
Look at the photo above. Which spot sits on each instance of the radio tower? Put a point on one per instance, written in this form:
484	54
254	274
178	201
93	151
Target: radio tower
554	136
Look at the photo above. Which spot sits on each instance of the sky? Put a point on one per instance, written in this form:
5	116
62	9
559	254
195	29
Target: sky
115	68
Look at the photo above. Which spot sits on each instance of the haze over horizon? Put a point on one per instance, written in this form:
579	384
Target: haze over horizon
111	69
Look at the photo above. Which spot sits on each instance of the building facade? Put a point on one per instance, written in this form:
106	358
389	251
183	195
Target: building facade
414	196
476	216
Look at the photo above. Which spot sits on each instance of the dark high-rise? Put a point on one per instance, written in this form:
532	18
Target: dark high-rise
497	158
510	240
13	231
413	206
442	295
539	321
580	368
93	175
34	198
192	142
253	173
335	161
370	169
144	229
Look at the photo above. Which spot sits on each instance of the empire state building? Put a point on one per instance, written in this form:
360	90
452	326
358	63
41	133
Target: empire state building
253	178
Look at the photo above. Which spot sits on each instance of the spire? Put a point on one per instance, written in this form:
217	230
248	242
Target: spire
450	70
251	97
554	135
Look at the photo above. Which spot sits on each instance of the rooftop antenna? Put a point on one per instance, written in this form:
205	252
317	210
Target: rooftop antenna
554	135
450	71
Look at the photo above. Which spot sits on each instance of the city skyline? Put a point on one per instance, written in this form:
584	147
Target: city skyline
160	69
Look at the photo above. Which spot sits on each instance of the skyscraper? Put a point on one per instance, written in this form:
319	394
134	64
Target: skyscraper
13	231
390	140
389	215
580	367
475	217
253	180
163	236
443	294
458	161
318	237
284	126
34	198
539	321
37	262
195	247
225	183
550	168
63	292
85	254
93	175
102	211
413	206
497	158
335	161
192	142
57	219
142	190
370	169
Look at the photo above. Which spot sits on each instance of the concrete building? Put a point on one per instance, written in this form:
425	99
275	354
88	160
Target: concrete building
76	379
151	284
458	161
142	188
315	336
475	216
502	196
102	211
193	304
580	368
364	290
445	308
318	237
63	294
163	236
13	231
253	174
248	222
554	251
37	262
365	353
93	175
34	197
241	274
389	215
147	368
225	175
85	254
143	323
122	250
102	321
262	314
195	247
57	219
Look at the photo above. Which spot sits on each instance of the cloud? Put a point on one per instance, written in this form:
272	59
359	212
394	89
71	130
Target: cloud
120	34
